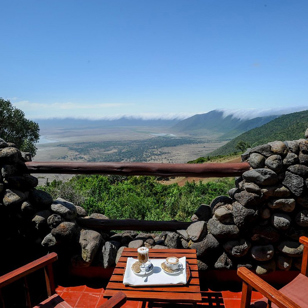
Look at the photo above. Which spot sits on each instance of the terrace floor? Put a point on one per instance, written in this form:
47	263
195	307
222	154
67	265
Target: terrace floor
82	296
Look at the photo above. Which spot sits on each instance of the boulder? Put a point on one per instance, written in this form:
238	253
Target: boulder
301	218
66	231
256	160
291	248
222	231
13	197
262	252
284	263
109	252
294	183
223	262
293	146
252	188
278	147
274	162
237	248
290	159
264	149
172	240
40	219
81	212
303	158
203	212
90	242
64	208
303	146
281	221
286	205
40	199
119	254
135	244
300	170
232	192
224	214
278	191
183	234
265	268
49	241
265	234
242	216
247	199
54	220
9	155
22	182
160	247
261	176
202	266
205	247
98	216
220	201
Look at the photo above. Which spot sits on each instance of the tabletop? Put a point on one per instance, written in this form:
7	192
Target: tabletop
176	293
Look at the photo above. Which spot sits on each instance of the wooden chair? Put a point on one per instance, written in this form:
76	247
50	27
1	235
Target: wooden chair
53	300
293	295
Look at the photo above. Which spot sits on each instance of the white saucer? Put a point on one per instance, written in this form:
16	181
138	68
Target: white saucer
179	270
148	271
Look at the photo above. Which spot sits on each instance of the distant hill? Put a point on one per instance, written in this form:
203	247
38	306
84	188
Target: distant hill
286	127
71	123
227	127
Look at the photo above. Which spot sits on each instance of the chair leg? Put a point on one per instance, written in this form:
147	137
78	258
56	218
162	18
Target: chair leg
246	295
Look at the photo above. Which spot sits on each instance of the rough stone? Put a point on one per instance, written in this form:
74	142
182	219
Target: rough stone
265	233
40	219
291	248
3	144
301	218
303	201
81	212
292	146
135	244
261	176
65	232
13	197
278	191
262	252
265	213
284	263
300	170
27	208
160	247
286	205
246	154
224	214
222	231
247	199
232	192
40	198
206	246
274	162
294	183
264	149
25	182
172	240
54	220
89	241
278	147
202	266
9	155
126	238
252	188
8	170
242	216
183	234
265	268
64	208
203	212
98	216
256	160
303	146
220	201
223	262
109	252
281	221
290	159
303	158
49	241
184	243
237	248
119	254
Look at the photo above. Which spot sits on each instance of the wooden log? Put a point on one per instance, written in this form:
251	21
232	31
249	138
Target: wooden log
131	224
155	169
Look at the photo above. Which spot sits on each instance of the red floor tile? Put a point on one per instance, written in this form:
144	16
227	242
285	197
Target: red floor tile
71	297
87	300
93	290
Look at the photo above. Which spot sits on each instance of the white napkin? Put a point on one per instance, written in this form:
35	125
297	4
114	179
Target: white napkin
157	277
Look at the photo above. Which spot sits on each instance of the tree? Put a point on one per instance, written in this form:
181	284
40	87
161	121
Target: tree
242	146
14	127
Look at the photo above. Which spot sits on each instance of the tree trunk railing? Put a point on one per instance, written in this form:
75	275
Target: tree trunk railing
149	169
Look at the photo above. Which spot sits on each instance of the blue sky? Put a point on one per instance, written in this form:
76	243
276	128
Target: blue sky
166	58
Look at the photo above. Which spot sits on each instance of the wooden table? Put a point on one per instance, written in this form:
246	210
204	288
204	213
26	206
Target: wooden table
189	293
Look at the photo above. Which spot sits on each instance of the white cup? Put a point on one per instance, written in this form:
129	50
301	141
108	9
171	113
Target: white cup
173	263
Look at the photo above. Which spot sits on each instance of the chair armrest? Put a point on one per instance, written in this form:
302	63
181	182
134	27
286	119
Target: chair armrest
27	269
265	289
304	267
115	301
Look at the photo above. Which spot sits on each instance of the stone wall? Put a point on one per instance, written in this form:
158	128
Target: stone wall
257	225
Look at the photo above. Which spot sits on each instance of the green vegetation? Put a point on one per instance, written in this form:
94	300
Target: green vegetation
287	127
137	197
14	127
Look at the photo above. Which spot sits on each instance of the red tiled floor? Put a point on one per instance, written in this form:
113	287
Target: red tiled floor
84	296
